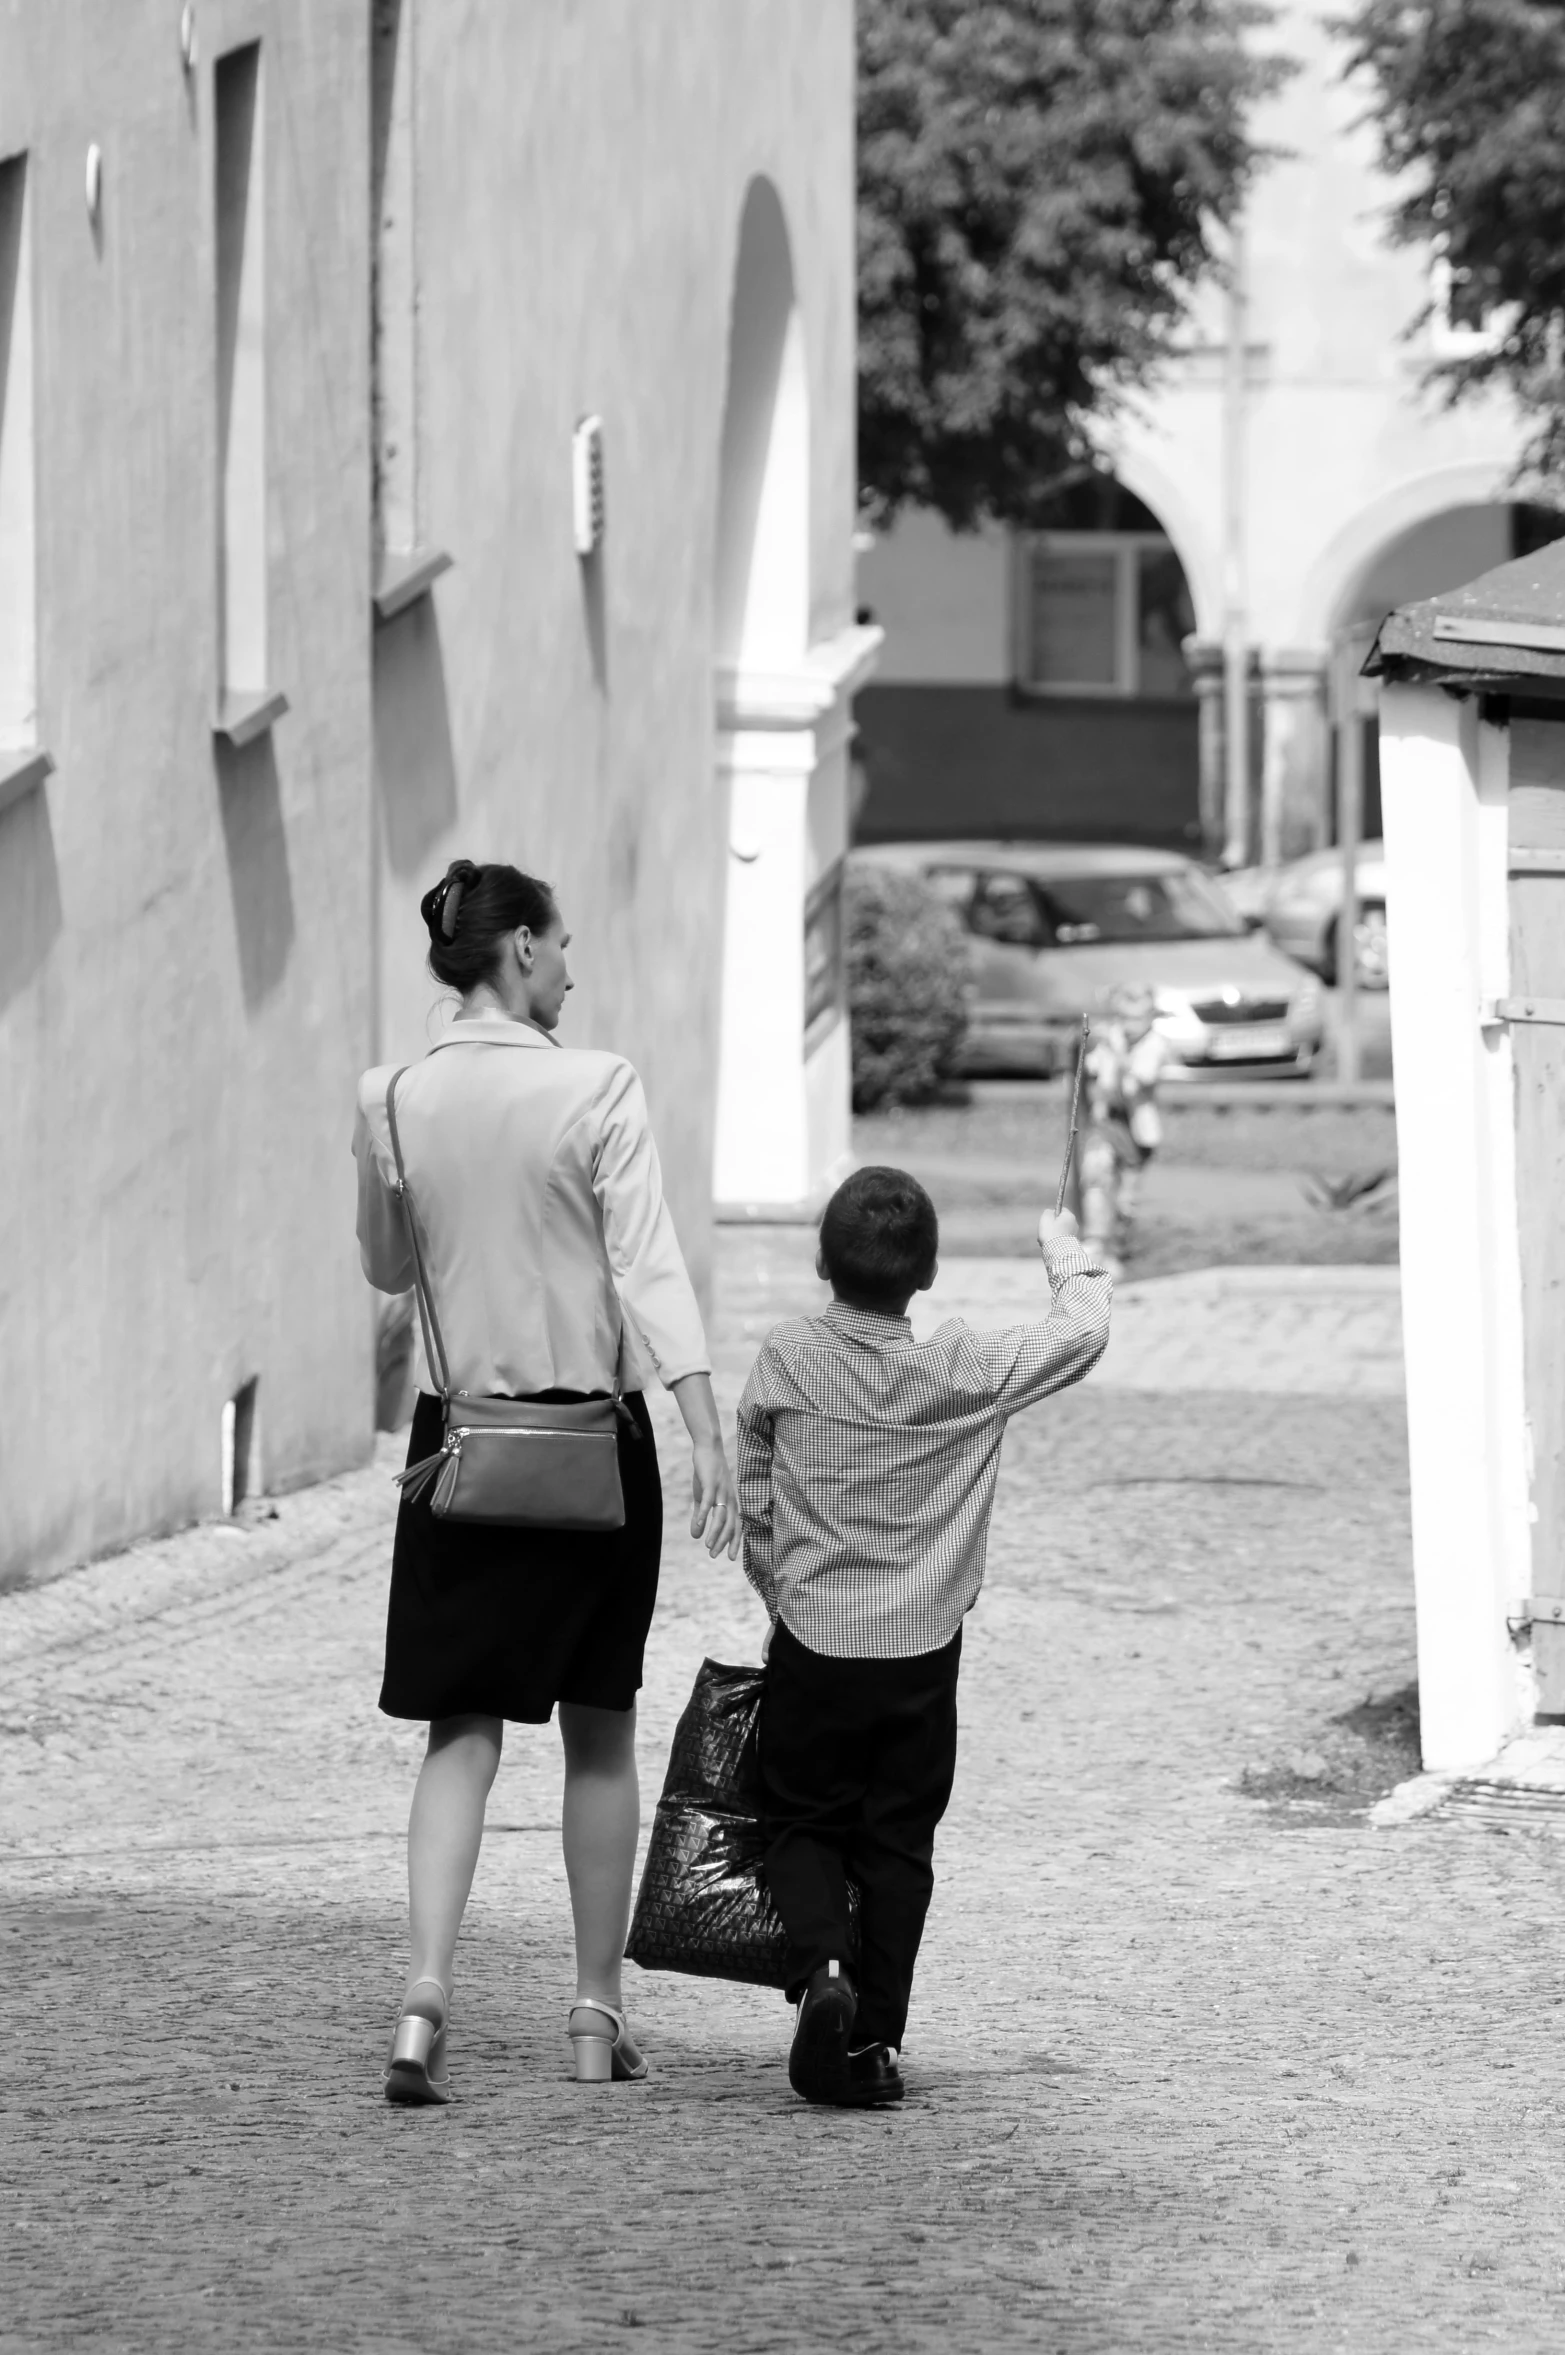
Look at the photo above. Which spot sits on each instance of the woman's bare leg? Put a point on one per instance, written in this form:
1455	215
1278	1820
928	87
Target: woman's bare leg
602	1817
444	1832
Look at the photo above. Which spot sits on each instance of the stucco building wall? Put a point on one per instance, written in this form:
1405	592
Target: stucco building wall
183	989
200	948
581	180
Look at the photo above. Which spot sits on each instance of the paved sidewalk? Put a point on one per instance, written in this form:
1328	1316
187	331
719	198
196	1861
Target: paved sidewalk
1328	1332
1184	2076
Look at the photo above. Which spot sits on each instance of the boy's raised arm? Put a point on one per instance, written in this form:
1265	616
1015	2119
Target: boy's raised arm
1030	1361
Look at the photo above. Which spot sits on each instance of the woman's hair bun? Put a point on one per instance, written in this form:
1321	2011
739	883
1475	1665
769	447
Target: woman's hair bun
442	907
470	913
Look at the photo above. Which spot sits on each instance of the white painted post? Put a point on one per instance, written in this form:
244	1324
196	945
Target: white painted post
1443	784
782	1096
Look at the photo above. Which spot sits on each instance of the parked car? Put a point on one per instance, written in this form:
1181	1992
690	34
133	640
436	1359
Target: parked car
1300	906
1056	927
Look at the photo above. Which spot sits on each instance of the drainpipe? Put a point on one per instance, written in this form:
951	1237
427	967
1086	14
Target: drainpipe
1236	650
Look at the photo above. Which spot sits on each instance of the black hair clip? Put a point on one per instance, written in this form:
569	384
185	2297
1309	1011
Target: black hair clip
451	903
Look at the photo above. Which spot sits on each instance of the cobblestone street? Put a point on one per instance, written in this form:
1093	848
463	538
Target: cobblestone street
1187	2070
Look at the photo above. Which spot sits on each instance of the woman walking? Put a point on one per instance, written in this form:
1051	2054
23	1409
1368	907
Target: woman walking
551	1264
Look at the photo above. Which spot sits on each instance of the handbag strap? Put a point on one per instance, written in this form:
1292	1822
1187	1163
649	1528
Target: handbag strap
434	1346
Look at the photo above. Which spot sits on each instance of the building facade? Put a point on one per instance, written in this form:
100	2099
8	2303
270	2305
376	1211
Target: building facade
423	431
1288	483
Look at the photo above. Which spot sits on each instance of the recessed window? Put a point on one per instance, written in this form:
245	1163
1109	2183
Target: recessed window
393	283
406	564
241	1442
18	548
239	196
1103	613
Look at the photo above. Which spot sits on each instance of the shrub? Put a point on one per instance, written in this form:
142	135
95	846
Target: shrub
907	968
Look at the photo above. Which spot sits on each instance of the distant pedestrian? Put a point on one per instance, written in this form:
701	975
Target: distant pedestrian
1124	1127
867	1468
553	1265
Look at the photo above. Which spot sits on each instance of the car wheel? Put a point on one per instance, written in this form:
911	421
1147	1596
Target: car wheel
1372	965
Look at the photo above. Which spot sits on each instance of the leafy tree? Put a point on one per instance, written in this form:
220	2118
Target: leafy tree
1469	106
1042	185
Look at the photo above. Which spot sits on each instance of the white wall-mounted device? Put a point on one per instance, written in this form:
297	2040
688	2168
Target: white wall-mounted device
587	485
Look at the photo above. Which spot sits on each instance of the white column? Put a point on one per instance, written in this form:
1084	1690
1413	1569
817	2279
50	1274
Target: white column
1444	778
783	1086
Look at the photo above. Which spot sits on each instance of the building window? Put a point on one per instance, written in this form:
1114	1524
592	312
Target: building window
405	563
18	548
394	286
1103	614
239	201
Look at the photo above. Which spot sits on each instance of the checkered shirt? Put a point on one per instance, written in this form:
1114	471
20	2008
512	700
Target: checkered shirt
868	1461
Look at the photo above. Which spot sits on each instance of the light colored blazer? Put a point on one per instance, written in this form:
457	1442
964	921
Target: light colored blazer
547	1241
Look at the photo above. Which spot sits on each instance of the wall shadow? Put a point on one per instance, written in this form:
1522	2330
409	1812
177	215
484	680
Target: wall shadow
595	614
30	913
415	766
259	884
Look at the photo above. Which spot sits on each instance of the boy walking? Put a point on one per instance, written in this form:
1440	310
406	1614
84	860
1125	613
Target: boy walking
867	1468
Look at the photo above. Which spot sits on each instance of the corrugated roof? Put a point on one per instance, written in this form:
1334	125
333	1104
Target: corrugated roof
1506	624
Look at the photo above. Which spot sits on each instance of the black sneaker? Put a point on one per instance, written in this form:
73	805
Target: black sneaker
818	2061
873	2077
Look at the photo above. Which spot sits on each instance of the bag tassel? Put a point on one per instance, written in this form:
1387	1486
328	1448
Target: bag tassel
417	1477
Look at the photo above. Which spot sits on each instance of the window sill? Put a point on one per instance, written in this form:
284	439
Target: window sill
405	577
23	769
242	715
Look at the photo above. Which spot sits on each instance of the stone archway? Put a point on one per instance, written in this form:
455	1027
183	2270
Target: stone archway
782	731
1421	543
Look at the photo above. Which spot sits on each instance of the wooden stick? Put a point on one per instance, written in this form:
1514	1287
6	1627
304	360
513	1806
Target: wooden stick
1070	1141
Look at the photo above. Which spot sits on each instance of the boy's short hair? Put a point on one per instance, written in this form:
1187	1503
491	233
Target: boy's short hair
879	1235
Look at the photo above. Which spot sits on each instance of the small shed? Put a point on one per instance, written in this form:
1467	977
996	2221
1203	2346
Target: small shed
1472	762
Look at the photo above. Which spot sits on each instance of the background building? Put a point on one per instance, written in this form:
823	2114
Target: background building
302	304
1034	684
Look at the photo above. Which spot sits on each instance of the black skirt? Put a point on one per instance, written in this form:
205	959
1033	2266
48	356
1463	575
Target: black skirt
505	1622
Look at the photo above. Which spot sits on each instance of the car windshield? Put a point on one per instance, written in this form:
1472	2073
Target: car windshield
1181	905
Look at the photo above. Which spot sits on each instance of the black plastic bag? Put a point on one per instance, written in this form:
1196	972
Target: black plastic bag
704	1906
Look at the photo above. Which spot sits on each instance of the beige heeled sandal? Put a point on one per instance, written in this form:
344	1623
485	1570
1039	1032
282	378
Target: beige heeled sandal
416	2072
600	2058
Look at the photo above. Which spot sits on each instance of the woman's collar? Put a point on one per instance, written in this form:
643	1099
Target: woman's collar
496	1029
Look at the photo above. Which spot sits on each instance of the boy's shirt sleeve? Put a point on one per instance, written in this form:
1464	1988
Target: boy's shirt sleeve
755	1483
1028	1362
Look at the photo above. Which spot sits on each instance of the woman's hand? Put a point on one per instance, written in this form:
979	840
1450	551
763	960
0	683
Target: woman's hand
714	1501
714	1504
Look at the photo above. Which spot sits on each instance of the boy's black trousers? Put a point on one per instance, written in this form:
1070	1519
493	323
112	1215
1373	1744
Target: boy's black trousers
857	1760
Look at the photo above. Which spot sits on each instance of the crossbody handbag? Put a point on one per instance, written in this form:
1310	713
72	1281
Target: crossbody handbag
516	1463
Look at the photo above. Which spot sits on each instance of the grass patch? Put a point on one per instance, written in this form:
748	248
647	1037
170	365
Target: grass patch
1355	1760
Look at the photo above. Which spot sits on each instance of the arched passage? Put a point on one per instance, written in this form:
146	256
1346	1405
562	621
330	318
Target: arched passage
1188	533
761	580
782	1095
1439	549
1350	556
